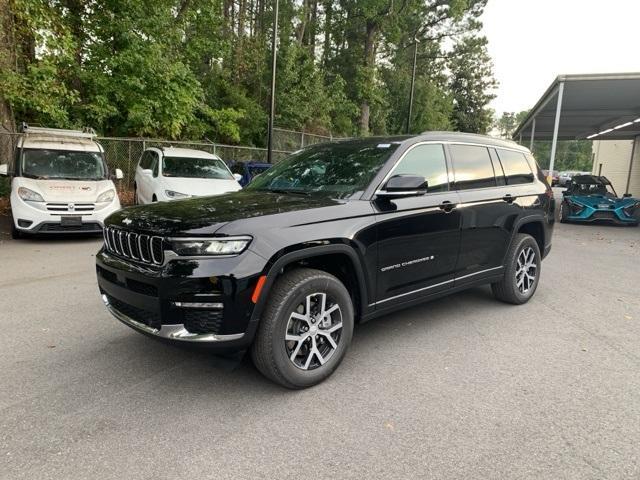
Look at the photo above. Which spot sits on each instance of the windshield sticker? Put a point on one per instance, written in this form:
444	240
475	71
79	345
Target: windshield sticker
384	145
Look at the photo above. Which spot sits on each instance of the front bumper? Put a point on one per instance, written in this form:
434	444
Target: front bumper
195	301
591	215
176	332
35	218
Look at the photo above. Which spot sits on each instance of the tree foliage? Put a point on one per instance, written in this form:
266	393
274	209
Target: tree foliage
201	68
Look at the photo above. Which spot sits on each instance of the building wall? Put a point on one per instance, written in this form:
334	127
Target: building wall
614	157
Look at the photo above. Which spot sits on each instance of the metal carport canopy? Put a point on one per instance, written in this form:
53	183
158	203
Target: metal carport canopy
590	106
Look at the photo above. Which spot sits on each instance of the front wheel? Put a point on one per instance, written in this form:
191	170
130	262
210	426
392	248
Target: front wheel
305	330
562	213
15	233
522	272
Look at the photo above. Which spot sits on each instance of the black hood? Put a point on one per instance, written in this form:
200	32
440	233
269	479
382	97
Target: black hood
205	215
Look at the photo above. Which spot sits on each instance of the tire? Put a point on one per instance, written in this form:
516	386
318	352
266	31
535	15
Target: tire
154	199
562	212
288	302
15	233
510	289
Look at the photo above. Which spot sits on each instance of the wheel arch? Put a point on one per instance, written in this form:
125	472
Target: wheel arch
340	260
532	225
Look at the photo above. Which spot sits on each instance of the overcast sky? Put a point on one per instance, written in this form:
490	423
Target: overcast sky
534	41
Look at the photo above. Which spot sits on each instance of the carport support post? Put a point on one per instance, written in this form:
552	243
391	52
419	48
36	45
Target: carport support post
633	154
556	126
533	133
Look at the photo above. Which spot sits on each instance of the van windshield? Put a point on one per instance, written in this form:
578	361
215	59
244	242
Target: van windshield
188	167
63	165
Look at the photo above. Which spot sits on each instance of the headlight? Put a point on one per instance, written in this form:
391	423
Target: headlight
172	194
29	195
210	246
106	196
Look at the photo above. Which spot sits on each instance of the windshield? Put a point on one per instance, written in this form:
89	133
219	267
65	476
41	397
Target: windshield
593	189
63	164
340	169
188	167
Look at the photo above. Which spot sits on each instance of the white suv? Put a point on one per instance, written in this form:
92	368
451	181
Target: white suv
59	182
173	173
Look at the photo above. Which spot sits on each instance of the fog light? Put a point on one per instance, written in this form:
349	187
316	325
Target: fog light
24	223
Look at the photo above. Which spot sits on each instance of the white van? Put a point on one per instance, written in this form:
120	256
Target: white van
59	182
173	173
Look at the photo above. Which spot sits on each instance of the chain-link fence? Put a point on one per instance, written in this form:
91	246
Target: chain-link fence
290	140
124	153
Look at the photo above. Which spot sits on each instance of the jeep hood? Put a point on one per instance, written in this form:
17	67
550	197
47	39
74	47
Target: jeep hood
205	215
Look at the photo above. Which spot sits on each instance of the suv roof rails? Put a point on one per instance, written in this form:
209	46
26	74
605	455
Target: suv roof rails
86	132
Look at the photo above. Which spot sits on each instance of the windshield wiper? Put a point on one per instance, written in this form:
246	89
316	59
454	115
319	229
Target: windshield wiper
287	191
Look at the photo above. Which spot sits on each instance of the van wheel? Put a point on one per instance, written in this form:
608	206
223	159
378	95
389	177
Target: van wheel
15	233
522	272
305	329
154	198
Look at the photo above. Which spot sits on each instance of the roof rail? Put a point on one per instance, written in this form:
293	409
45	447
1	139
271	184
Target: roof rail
86	132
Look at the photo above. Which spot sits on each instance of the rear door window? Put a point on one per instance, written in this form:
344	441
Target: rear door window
426	161
472	167
516	168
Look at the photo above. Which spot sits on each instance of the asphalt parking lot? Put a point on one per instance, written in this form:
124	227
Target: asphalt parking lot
464	387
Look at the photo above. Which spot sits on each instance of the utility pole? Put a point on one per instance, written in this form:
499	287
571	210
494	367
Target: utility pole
413	84
272	106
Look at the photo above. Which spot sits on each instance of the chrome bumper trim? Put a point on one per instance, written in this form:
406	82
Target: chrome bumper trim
171	332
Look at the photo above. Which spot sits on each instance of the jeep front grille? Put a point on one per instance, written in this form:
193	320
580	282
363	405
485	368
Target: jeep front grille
142	248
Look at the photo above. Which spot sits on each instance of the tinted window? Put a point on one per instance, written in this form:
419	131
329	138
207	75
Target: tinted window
472	167
189	167
154	163
145	161
426	161
237	168
516	168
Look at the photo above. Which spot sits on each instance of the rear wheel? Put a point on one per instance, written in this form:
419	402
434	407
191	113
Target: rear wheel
522	272
305	330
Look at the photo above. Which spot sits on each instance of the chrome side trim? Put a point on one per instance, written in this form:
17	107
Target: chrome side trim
175	332
434	286
481	271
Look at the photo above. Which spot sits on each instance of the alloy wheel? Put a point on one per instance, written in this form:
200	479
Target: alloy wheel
526	269
313	331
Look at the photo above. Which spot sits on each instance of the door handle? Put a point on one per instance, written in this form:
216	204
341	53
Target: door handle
447	206
508	198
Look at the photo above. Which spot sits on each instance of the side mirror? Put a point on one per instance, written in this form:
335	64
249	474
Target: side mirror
403	186
626	195
237	176
4	170
119	174
147	171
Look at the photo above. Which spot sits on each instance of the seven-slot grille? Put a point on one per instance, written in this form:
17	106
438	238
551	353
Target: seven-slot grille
143	248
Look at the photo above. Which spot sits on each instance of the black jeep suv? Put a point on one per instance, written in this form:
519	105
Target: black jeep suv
337	233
